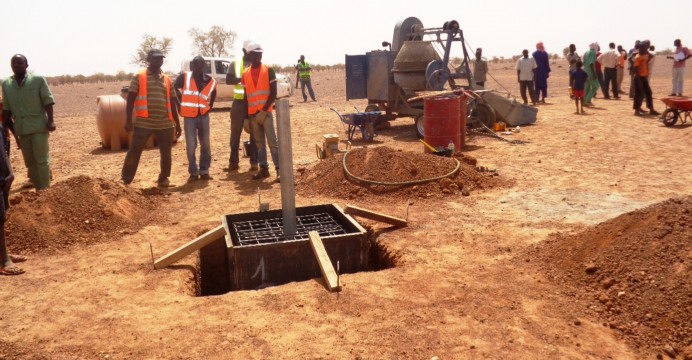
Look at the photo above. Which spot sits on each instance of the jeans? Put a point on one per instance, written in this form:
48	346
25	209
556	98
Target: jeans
263	134
642	90
164	138
610	77
36	158
599	75
238	115
198	128
303	84
678	80
527	84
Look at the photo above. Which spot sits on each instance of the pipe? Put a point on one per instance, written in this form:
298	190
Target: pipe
288	195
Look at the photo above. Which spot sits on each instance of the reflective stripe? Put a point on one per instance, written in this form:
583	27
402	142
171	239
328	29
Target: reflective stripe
194	105
190	92
239	89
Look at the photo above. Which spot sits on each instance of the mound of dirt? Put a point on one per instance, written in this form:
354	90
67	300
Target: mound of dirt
634	272
384	164
78	211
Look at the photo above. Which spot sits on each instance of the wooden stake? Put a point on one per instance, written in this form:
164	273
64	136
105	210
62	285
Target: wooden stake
328	273
187	249
369	214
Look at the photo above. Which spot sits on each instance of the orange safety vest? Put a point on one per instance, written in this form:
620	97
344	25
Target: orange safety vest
141	103
257	94
194	102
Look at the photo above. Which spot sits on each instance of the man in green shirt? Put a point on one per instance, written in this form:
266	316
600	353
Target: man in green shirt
28	112
152	96
304	75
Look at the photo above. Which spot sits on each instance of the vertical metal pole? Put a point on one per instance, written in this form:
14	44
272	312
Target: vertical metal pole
288	195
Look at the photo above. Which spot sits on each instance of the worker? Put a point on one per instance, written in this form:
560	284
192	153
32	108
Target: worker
641	68
304	76
480	68
28	113
196	100
239	111
7	260
151	97
260	89
592	84
526	71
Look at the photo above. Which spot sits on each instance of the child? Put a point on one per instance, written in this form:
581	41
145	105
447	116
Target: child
577	80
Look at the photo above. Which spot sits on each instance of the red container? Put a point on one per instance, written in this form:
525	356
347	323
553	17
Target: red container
462	123
442	125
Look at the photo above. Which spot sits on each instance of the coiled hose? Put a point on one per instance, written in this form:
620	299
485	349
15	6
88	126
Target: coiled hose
402	183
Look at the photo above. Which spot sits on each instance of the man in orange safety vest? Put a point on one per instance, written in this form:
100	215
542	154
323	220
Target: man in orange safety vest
151	98
197	92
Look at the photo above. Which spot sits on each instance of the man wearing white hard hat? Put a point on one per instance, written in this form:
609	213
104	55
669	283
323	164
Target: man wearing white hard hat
260	90
239	111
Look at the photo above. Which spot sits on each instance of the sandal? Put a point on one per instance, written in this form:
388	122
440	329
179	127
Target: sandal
11	270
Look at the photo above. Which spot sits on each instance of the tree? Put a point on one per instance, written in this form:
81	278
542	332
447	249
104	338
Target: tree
150	42
216	43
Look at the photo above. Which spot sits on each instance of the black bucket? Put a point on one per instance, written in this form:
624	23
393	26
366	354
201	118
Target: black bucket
246	148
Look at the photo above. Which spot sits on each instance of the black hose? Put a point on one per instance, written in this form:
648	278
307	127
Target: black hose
402	183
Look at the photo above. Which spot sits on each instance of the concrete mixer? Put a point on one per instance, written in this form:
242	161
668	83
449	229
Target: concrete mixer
417	60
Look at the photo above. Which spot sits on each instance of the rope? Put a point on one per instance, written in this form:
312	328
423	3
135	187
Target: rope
401	183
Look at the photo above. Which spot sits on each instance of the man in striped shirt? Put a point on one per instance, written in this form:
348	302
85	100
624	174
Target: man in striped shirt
152	97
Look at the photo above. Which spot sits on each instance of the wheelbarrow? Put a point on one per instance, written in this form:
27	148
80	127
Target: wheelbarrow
362	121
677	108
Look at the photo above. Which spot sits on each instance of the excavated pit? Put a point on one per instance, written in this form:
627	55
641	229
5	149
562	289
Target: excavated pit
255	253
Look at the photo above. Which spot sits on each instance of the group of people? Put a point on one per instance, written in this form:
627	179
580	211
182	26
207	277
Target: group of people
154	106
593	71
153	100
606	71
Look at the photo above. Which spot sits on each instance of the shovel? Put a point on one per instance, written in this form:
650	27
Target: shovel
437	151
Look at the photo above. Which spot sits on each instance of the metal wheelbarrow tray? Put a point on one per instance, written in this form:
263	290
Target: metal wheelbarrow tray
362	121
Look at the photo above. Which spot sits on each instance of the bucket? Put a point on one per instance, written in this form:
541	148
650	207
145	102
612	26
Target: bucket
442	125
246	148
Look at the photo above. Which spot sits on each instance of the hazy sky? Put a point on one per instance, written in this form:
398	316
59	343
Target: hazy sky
85	37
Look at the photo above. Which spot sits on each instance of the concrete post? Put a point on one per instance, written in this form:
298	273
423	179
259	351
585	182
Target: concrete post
288	195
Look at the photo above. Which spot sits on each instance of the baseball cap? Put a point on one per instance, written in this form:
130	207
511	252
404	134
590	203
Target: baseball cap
155	53
254	47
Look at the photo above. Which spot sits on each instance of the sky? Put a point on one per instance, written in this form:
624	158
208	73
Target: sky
72	37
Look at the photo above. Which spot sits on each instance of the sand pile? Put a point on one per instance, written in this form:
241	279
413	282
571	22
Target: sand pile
634	272
78	211
384	164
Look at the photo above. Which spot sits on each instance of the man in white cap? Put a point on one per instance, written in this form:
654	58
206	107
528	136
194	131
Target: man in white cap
239	111
260	89
592	85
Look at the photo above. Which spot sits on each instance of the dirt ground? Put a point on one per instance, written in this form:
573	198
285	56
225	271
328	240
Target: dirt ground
468	281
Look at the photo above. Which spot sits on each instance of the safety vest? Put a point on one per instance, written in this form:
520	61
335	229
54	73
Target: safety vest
193	102
303	71
239	89
257	94
141	103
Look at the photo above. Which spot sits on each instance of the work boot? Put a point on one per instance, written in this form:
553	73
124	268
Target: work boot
261	174
164	182
254	167
233	167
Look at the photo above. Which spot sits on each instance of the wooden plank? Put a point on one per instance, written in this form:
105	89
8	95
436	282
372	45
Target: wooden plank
322	257
227	228
194	245
373	215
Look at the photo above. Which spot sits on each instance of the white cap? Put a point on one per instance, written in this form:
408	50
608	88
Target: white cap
246	43
254	47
